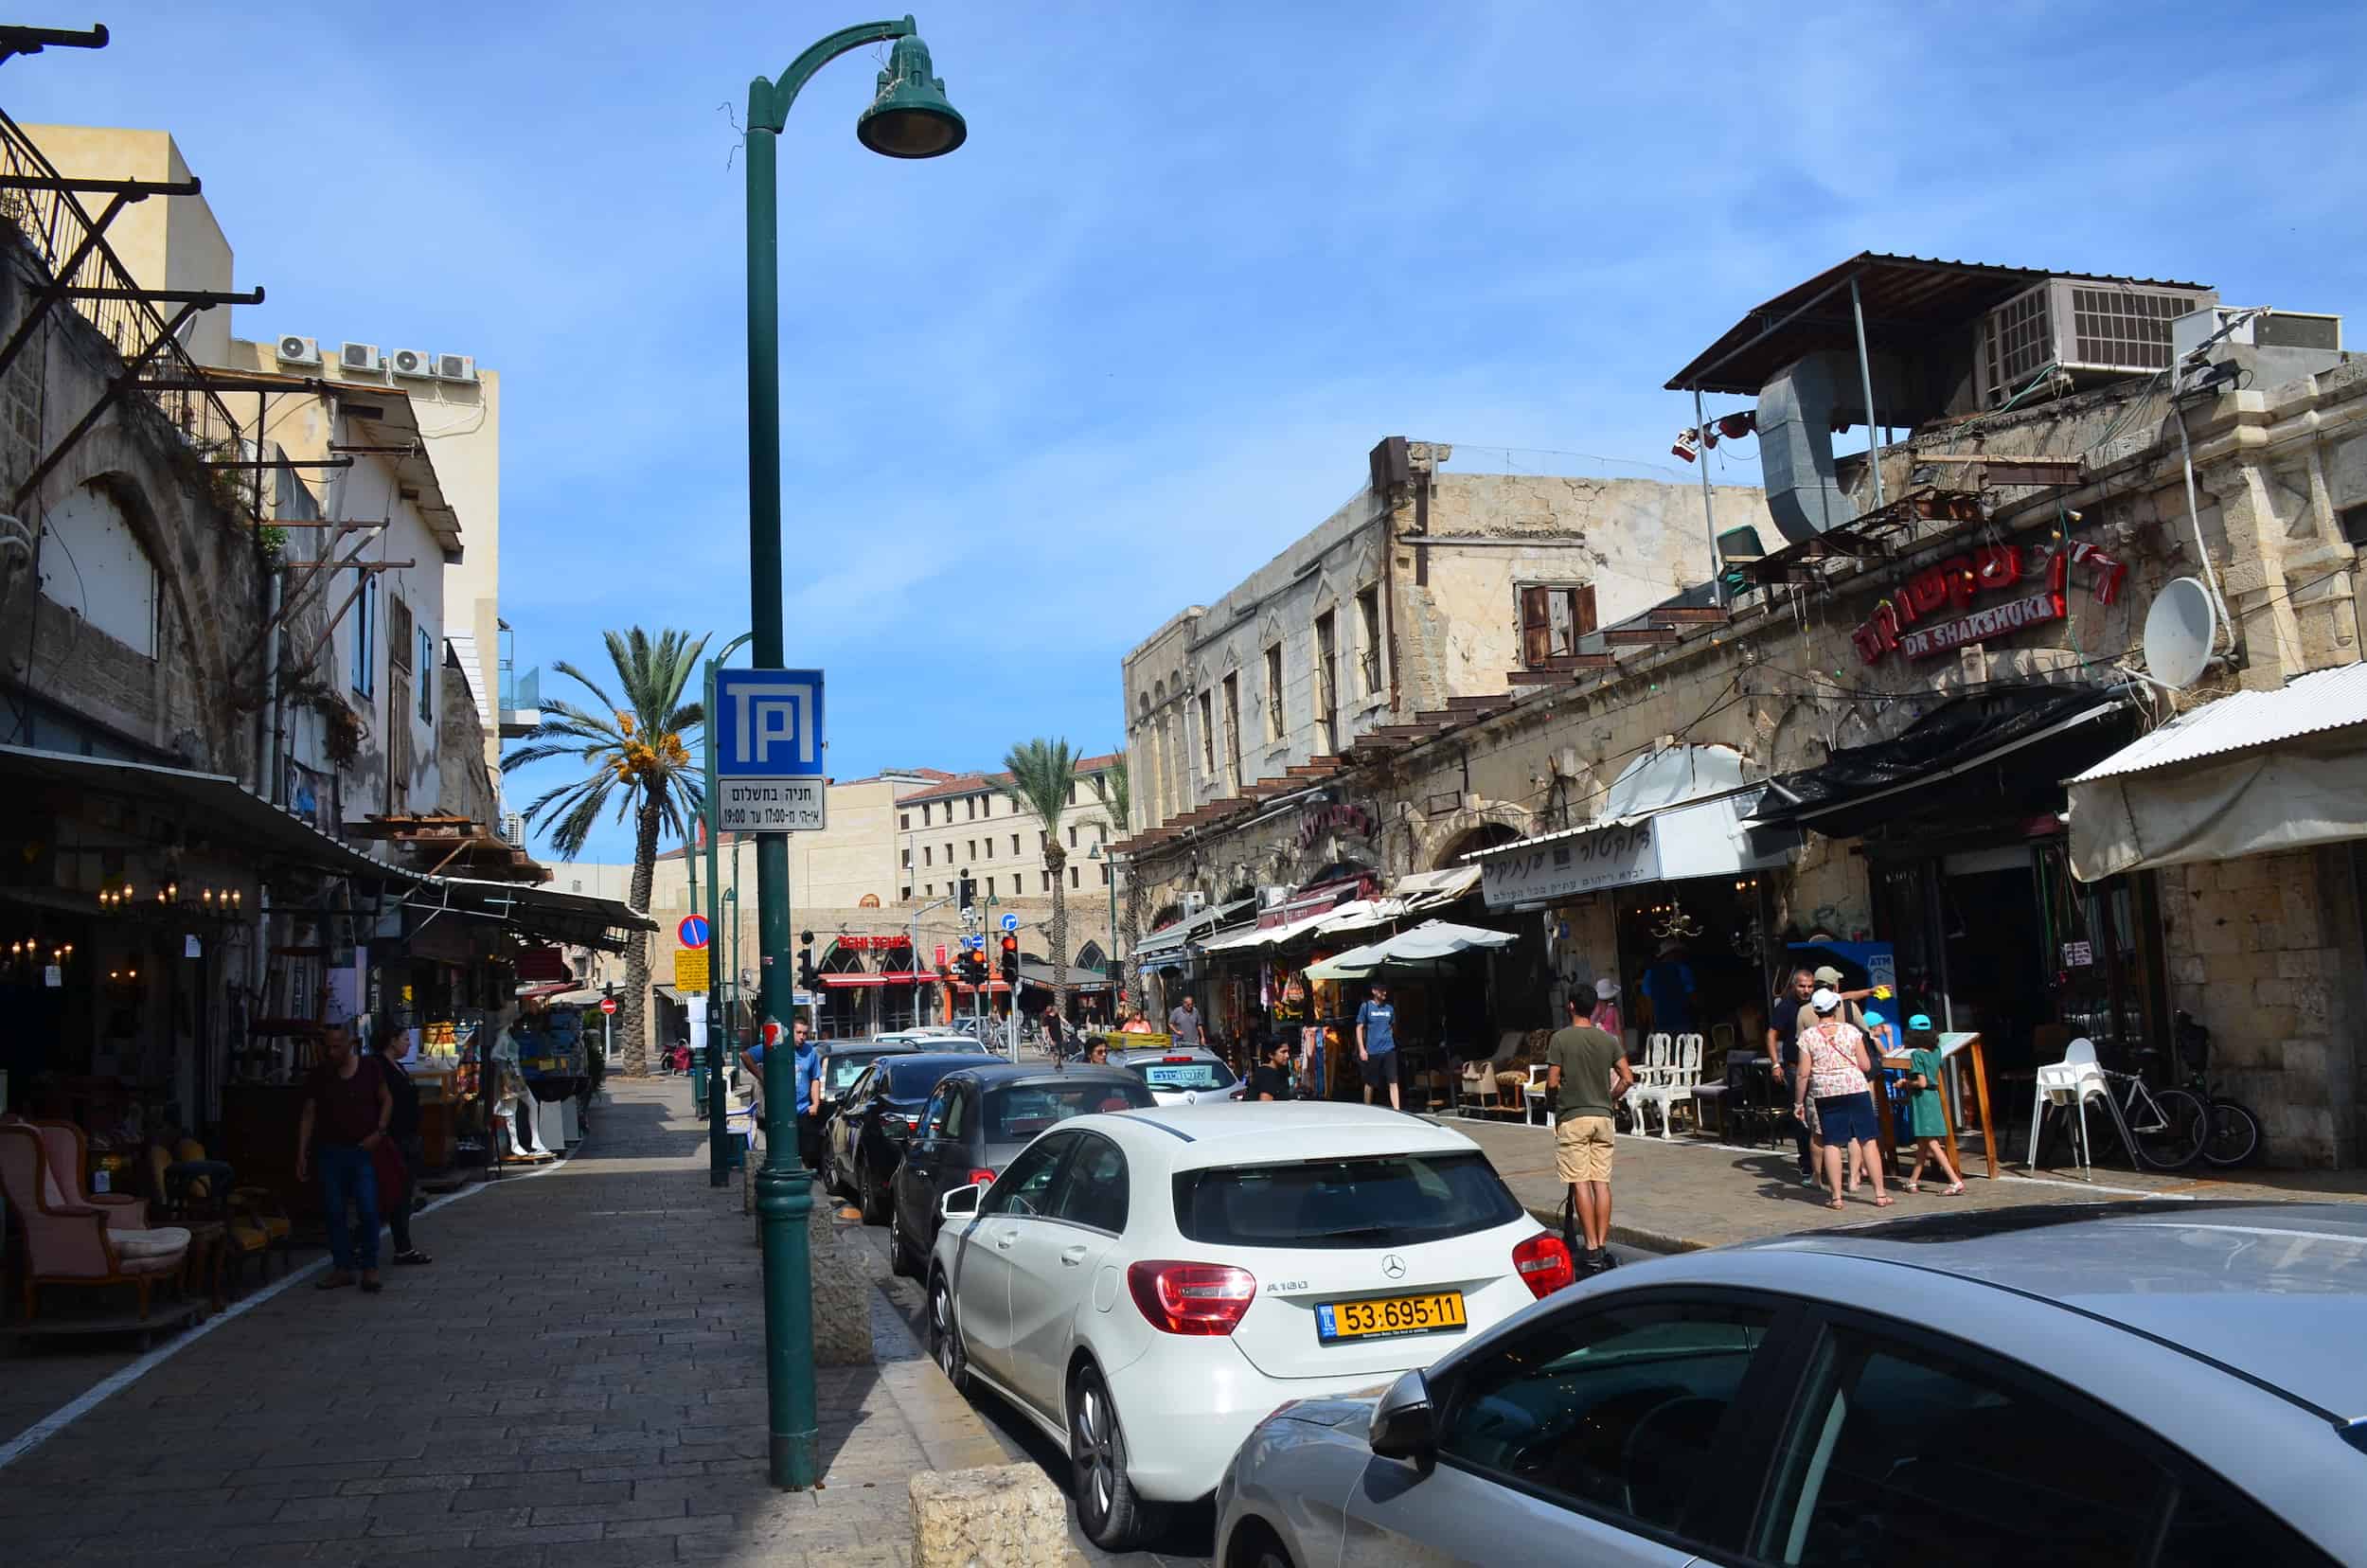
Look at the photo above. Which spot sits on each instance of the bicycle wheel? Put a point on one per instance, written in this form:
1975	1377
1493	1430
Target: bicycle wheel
2234	1137
2175	1138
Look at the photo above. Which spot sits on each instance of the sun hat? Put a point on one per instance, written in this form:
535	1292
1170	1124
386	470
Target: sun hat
1825	999
1920	1020
1606	988
1828	975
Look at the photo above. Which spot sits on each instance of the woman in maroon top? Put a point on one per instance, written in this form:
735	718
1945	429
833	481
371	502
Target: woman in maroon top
347	1106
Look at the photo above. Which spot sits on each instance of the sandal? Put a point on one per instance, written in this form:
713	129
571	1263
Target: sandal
1883	1202
1956	1191
1912	1186
1835	1203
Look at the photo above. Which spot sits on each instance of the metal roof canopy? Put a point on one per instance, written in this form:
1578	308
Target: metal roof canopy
1908	300
238	817
2323	700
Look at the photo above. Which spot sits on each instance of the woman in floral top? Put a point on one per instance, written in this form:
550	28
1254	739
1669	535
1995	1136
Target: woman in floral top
1838	1065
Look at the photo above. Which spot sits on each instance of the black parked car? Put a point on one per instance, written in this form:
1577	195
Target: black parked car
843	1061
864	1141
976	1123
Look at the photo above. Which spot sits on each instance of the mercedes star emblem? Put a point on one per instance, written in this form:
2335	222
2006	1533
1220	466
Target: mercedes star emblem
1393	1266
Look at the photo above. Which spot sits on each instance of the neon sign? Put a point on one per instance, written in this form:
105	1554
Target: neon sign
1908	619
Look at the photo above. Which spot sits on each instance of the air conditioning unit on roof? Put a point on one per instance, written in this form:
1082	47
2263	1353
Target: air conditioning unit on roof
2090	326
299	350
455	368
358	359
416	362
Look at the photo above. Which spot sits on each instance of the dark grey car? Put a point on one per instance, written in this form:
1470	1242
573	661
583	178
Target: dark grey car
976	1124
2157	1383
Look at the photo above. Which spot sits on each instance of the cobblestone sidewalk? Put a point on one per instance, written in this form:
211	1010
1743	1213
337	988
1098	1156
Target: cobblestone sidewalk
576	1379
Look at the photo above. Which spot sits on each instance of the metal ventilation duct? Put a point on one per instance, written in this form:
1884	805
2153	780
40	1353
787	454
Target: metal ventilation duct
1796	445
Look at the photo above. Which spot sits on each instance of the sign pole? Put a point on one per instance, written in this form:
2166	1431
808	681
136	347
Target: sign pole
719	1170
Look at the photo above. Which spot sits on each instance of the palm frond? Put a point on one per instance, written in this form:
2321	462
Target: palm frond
1115	789
1044	772
563	667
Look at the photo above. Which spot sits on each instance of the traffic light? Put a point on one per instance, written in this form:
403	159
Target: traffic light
807	980
969	890
1010	960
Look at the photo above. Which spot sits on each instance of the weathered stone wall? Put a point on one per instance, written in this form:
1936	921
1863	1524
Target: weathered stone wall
195	699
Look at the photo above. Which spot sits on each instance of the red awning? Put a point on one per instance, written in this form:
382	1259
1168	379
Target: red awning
991	986
894	977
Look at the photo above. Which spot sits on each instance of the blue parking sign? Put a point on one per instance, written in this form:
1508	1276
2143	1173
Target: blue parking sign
767	724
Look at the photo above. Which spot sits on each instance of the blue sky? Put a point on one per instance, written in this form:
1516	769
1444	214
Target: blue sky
1194	260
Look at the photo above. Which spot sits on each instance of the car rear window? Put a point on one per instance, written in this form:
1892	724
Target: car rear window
1024	1110
917	1079
1183	1073
1370	1200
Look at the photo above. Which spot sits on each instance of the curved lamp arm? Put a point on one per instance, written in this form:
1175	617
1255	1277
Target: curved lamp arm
769	101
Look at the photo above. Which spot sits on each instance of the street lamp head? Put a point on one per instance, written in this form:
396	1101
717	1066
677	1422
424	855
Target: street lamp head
910	118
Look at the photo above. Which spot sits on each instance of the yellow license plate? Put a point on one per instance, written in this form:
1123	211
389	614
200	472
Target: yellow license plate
1385	1315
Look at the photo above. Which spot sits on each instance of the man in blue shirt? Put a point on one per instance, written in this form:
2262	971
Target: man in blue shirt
1377	1044
1669	986
807	1096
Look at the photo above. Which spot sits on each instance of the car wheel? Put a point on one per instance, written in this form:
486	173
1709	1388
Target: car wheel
867	1196
1112	1517
899	1254
945	1337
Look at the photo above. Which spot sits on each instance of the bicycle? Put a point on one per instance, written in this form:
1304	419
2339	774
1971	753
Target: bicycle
2167	1128
2233	1136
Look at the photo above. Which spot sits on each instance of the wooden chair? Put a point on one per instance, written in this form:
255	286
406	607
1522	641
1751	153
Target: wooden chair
196	1195
258	1206
1675	1087
72	1245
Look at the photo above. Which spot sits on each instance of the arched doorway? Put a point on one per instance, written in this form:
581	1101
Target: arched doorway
843	1007
1486	835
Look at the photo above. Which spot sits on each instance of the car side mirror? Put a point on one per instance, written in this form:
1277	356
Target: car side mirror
1404	1425
962	1202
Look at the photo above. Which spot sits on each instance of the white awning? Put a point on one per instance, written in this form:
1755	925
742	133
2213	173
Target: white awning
1171	938
1426	945
1698	838
2247	775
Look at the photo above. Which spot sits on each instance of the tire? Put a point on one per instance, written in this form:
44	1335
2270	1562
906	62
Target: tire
945	1337
1112	1516
867	1196
2234	1135
899	1261
2179	1141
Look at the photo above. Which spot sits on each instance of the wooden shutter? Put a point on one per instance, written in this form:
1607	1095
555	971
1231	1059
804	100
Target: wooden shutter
1537	630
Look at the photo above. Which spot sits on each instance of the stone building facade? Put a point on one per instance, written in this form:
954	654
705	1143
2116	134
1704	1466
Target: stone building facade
2266	951
1426	586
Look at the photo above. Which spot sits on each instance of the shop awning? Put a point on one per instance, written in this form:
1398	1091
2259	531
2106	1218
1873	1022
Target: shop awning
212	805
1081	977
1426	946
583	918
1168	940
844	980
1999	749
2248	774
1266	936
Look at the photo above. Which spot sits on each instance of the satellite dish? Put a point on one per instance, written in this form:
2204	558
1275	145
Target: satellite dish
2180	630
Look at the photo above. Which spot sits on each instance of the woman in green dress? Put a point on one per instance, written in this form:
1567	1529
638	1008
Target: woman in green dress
1929	1120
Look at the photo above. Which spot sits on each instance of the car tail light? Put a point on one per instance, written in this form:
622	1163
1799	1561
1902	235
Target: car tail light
981	1178
1192	1298
1543	1264
1175	1058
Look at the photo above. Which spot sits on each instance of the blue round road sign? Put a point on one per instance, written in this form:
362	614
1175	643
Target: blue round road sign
692	933
1010	922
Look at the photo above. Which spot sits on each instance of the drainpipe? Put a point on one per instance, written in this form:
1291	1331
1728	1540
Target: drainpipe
1865	386
1709	514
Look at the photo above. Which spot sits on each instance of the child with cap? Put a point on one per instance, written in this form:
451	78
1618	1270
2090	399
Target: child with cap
1927	1118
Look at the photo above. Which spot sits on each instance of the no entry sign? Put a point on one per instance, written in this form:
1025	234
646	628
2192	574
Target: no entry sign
608	1004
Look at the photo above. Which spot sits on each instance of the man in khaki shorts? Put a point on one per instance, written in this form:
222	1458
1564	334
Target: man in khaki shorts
1589	1070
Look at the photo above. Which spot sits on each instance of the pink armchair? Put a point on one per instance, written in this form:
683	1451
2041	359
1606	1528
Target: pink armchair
70	1243
69	1153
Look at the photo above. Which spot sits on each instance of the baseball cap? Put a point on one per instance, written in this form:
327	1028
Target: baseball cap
1920	1020
1825	999
1828	975
1873	1016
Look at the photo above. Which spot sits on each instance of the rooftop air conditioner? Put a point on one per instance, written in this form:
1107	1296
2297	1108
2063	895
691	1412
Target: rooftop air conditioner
455	368
2091	325
299	350
1195	903
358	359
2258	330
416	362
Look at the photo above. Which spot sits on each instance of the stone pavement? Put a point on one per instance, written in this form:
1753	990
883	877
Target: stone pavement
576	1379
1690	1192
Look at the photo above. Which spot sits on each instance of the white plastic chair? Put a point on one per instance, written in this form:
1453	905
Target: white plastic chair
2071	1084
1683	1074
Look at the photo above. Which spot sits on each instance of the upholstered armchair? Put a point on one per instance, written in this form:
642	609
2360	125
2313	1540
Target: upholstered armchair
69	1153
72	1243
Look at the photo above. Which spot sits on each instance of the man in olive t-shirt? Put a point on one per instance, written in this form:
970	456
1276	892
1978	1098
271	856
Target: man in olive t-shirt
1589	1070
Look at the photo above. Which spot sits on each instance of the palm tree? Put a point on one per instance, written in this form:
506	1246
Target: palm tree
1115	788
637	759
1043	780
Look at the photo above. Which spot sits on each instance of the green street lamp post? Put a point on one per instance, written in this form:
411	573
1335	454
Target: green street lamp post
909	117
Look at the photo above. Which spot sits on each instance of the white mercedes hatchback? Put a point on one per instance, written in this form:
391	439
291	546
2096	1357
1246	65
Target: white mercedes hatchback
1146	1286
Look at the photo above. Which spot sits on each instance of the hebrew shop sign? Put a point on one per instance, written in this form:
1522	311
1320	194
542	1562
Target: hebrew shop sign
1932	613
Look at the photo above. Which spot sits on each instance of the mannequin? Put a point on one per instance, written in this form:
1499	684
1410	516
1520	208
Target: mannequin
513	1104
